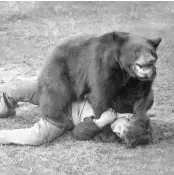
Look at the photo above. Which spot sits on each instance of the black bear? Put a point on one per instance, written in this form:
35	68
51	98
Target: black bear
115	69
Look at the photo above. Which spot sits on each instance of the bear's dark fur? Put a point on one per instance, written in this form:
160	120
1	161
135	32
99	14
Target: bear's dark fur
102	67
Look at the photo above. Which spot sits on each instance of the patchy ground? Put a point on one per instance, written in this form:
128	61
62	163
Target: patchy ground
28	32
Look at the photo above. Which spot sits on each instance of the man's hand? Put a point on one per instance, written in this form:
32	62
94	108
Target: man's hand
106	118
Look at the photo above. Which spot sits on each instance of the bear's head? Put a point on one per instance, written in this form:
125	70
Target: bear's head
137	55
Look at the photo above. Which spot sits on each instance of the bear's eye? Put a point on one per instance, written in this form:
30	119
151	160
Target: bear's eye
136	52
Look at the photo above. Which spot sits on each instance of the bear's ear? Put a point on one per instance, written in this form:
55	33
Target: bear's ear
120	37
155	42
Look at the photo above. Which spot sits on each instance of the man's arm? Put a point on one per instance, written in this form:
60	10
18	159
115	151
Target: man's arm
90	126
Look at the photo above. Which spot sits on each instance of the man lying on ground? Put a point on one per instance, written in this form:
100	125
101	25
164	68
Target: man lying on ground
79	116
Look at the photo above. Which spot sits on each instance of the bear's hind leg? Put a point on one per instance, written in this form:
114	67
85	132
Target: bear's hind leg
54	106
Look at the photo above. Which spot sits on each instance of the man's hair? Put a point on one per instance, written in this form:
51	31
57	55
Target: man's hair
139	133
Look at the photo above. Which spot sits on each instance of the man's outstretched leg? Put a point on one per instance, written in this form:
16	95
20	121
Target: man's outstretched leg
42	131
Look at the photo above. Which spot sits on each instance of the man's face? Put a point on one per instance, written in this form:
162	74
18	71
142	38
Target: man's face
133	131
120	126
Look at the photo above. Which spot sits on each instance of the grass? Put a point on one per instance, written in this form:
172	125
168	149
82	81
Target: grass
29	31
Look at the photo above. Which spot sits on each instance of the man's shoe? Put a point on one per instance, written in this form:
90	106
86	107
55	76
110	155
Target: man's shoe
7	106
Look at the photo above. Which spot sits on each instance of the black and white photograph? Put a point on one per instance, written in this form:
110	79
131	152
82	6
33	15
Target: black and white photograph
86	87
